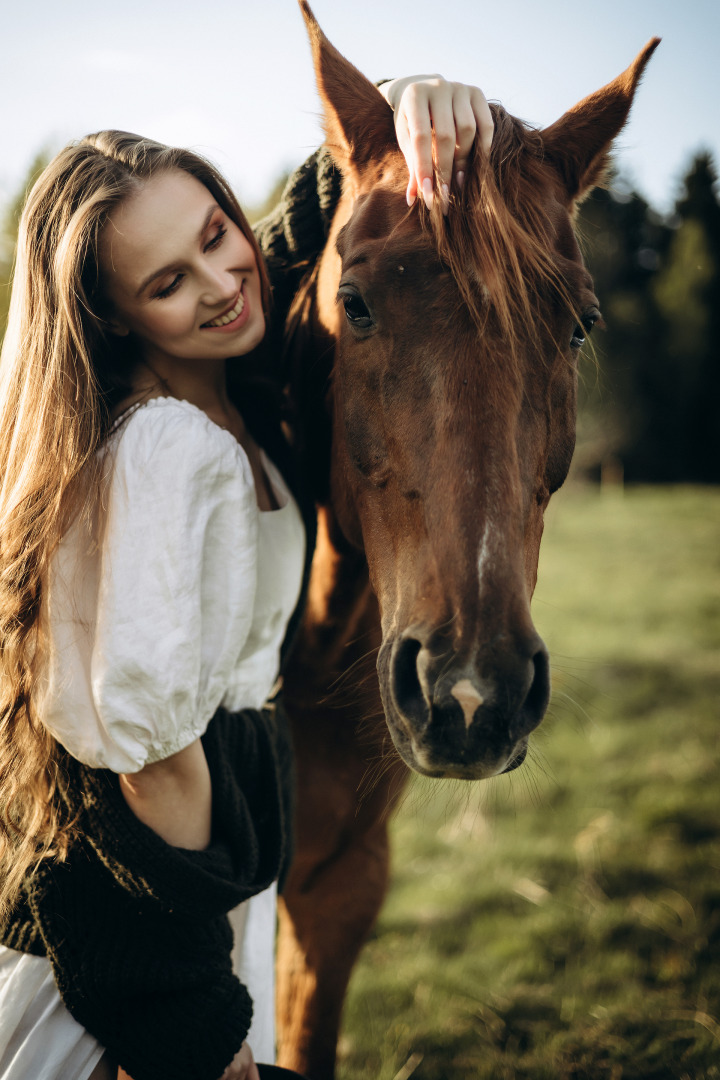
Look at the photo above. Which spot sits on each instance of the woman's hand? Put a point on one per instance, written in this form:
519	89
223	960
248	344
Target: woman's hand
242	1066
438	121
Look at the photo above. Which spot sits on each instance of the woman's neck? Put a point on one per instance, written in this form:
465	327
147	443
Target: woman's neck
204	384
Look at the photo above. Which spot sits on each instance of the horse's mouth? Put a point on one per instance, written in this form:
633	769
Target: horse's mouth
438	766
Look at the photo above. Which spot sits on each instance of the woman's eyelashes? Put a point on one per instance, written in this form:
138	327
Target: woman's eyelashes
217	239
214	242
170	288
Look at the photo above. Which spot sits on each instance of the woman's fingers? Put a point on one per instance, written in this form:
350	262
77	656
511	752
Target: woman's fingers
408	97
483	117
242	1066
417	135
444	137
437	122
466	128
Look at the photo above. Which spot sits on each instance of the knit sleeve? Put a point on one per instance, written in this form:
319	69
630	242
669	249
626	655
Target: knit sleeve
155	988
294	233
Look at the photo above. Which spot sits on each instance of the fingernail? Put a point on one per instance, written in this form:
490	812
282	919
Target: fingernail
445	198
410	198
427	192
460	180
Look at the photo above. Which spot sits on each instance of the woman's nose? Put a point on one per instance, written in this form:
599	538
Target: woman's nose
220	285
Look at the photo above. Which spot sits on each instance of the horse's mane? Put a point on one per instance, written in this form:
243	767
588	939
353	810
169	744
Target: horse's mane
497	237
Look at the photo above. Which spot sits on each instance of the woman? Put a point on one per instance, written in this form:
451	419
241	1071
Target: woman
151	555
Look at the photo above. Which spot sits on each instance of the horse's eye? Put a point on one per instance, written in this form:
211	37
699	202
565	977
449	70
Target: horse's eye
355	309
578	338
582	328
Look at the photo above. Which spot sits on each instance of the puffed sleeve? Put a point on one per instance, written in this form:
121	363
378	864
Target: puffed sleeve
149	607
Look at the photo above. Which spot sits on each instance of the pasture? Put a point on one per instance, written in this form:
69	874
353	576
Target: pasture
564	921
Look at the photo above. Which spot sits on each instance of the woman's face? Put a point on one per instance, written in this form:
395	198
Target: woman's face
180	274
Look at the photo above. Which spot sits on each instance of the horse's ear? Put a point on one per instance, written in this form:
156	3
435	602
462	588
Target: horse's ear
358	121
578	144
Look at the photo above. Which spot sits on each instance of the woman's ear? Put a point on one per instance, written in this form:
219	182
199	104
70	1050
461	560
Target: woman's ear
109	320
104	311
117	328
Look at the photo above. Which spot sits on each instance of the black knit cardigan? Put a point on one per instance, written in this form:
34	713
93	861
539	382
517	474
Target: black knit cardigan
136	930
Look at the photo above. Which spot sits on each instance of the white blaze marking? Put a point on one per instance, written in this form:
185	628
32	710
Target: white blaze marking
484	555
467	698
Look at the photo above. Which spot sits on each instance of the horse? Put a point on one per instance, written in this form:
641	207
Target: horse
434	375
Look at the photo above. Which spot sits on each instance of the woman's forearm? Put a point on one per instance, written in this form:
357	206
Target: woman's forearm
174	797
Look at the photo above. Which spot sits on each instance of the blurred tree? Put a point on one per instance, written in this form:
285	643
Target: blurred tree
624	242
651	404
687	292
8	233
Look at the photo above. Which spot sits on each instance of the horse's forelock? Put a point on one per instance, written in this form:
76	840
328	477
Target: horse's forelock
497	240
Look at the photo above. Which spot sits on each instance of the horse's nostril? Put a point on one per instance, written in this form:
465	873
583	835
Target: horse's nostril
538	696
407	690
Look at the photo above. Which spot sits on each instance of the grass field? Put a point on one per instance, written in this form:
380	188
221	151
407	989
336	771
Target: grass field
564	921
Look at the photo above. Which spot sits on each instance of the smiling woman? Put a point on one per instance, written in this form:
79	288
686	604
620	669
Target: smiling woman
155	600
151	559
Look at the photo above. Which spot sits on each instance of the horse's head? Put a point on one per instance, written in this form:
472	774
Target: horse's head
453	395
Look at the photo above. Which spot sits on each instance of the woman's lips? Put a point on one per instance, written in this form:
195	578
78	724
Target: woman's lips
233	319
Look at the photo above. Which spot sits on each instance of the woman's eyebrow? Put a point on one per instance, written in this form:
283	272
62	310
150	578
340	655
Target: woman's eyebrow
171	266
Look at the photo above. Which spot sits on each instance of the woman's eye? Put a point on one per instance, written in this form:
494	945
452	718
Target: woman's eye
170	288
355	310
217	239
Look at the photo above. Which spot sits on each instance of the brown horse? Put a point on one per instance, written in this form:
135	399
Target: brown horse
435	365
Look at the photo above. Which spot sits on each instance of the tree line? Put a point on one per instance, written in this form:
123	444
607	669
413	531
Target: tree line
650	385
650	402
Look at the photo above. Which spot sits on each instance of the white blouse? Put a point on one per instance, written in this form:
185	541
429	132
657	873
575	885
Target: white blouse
174	599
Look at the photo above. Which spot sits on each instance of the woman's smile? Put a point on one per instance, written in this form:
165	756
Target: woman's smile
233	319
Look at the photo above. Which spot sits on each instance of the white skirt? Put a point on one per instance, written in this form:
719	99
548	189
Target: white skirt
40	1039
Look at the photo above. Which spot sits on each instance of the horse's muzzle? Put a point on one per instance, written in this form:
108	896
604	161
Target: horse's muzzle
467	717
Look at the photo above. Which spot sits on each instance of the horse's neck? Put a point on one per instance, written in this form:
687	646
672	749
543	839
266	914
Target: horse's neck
341	622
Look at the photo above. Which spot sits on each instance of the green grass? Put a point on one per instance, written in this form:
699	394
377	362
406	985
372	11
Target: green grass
564	921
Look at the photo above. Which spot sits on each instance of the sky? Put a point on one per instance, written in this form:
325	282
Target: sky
234	79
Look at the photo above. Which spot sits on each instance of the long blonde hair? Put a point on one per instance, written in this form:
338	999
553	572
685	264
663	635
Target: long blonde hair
61	373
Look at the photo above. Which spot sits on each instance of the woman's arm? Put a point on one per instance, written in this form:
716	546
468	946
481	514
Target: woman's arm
173	797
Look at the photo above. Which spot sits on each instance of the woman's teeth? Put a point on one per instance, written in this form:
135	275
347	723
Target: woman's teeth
223	320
